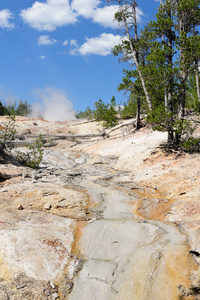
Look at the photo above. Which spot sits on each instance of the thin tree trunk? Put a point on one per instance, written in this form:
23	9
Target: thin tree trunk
140	74
138	120
170	137
197	75
197	82
182	92
182	87
134	53
170	82
166	99
165	92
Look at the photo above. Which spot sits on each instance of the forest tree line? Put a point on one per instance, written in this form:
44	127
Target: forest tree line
22	108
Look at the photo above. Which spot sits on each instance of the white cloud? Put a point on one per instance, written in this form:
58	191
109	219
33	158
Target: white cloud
105	16
5	16
139	14
74	43
101	45
74	47
42	57
85	8
49	15
55	105
45	40
65	43
89	9
101	15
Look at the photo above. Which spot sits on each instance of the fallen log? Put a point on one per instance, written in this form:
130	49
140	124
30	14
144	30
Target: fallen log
4	176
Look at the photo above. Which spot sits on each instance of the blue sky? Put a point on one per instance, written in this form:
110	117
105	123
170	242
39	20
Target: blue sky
60	51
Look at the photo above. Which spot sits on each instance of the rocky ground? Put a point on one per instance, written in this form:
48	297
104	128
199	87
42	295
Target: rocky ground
103	218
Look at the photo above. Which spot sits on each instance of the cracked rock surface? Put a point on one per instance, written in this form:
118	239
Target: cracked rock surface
82	227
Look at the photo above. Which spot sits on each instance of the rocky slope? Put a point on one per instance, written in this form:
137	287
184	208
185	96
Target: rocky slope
103	218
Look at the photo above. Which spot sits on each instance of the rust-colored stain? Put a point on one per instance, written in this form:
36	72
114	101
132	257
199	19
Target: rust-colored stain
178	264
64	280
2	127
152	204
78	233
75	254
57	246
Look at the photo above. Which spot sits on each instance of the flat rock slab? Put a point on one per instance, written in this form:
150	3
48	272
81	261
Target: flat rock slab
128	259
39	246
109	239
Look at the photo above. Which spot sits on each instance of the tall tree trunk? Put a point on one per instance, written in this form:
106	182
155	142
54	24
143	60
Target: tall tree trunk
197	82
182	84
138	120
170	81
165	98
182	78
197	75
165	91
134	53
182	92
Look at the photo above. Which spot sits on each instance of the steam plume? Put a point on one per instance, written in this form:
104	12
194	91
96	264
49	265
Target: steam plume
54	107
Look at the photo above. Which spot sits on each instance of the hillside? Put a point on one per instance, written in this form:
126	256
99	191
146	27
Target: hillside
103	218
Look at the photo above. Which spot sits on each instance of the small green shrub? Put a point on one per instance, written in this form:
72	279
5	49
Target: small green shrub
8	134
163	120
191	145
129	110
106	113
33	157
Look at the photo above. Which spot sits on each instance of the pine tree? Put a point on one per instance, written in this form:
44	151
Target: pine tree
127	16
178	48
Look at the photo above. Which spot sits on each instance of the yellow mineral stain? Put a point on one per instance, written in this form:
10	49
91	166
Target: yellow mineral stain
78	233
161	279
63	279
175	274
159	206
3	269
175	270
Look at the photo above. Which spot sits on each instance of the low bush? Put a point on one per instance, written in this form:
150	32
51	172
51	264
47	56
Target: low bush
190	145
33	157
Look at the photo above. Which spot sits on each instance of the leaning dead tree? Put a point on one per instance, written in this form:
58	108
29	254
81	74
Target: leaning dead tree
127	16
